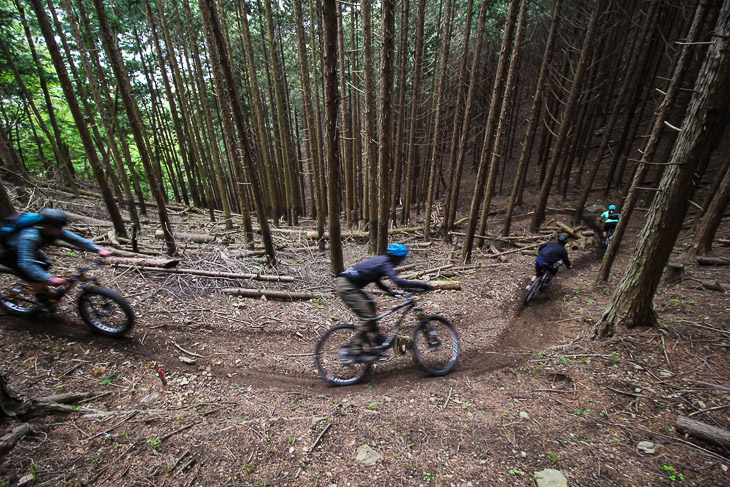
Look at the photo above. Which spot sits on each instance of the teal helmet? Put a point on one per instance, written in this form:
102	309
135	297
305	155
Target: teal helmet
612	207
397	250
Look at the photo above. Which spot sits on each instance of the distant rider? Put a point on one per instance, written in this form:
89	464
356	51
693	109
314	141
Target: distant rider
610	219
21	251
349	284
548	255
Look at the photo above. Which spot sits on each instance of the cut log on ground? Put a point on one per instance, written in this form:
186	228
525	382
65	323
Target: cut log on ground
723	287
704	260
193	237
513	250
674	272
326	235
411	275
282	295
446	285
8	441
142	262
568	230
214	274
704	432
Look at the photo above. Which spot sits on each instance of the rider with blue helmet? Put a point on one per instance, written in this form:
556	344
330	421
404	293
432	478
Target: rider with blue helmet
610	219
349	284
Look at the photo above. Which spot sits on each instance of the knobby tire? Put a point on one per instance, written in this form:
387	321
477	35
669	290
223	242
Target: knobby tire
436	346
331	356
16	298
105	311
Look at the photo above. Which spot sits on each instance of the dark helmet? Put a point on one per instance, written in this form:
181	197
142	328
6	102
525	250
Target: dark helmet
562	239
397	250
54	217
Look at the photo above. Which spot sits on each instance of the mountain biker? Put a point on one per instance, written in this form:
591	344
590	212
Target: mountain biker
21	251
610	219
349	284
548	255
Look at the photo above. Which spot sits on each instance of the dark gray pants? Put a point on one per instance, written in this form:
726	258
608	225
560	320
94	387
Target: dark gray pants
361	304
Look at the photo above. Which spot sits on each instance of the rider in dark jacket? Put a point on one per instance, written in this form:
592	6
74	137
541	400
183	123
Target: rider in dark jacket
349	284
548	255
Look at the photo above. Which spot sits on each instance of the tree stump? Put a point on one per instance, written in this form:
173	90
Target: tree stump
674	272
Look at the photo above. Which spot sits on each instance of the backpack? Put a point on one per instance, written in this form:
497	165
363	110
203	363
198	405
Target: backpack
612	215
17	222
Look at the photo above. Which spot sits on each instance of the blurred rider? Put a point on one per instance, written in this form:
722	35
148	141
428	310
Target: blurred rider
610	219
548	255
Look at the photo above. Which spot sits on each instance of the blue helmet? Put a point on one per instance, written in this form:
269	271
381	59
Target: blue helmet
562	239
397	250
612	207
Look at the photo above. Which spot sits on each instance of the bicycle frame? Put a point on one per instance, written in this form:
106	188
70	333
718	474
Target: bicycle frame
409	305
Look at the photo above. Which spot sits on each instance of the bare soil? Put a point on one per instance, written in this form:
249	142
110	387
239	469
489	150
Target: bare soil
243	404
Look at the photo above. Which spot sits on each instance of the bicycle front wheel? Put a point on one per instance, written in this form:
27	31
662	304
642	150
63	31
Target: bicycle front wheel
105	311
334	362
436	345
16	297
532	292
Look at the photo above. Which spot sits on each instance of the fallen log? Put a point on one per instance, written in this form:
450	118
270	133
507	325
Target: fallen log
723	287
221	275
513	250
446	285
142	262
704	432
193	237
568	230
326	235
704	260
283	295
413	274
8	441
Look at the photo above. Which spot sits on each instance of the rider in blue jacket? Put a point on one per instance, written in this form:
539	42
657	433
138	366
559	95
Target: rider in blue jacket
548	255
350	282
21	251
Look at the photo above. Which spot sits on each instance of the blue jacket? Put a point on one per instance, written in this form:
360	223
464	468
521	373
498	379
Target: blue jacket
551	252
27	244
375	268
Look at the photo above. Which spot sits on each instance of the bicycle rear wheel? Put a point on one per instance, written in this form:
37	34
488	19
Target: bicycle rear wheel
16	297
105	311
436	345
334	361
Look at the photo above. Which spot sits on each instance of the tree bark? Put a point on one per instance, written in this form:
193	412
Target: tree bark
700	133
385	131
331	136
130	105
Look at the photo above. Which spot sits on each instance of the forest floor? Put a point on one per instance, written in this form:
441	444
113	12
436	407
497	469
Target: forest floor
243	404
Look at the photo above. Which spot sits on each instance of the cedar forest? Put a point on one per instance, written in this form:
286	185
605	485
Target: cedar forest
282	142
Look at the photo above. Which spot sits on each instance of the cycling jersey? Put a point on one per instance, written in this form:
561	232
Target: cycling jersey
374	269
610	218
551	252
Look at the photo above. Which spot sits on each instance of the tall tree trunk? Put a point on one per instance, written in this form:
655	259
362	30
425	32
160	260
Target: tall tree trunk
710	222
642	168
312	148
415	97
63	148
371	131
6	205
331	138
93	85
220	59
638	58
13	169
568	114
114	57
400	113
78	117
57	150
494	109
346	122
534	119
700	133
455	185
436	142
503	115
385	131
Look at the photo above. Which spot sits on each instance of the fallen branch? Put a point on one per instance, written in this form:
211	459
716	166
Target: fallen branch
142	262
283	295
723	287
411	275
446	285
193	237
8	441
704	260
703	431
319	438
568	230
221	275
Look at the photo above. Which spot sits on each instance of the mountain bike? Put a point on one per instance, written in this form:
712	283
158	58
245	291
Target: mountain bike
102	309
434	342
539	284
607	240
